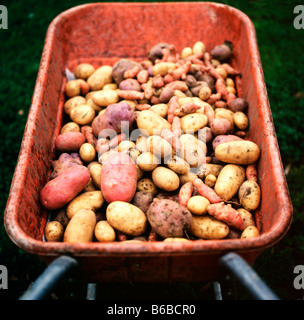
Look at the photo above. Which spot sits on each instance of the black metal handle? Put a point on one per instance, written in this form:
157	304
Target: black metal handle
50	277
246	276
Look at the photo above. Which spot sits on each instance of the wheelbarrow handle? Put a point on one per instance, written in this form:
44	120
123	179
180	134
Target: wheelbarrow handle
50	277
235	265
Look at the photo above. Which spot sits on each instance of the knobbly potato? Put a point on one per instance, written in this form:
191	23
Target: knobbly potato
198	205
54	231
229	181
104	232
151	123
147	185
70	127
147	161
250	232
238	152
209	168
82	114
178	165
127	218
246	216
165	179
81	227
208	228
193	122
250	195
91	200
87	152
159	147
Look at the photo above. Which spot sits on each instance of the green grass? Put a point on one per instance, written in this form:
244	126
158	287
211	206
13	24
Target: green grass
281	48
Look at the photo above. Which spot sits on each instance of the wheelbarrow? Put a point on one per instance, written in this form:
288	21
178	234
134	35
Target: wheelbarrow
102	33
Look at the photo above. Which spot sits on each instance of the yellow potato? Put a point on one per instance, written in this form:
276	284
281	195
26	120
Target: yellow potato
95	171
81	227
147	185
140	172
238	152
83	70
82	114
250	195
175	240
92	104
240	120
161	109
246	216
104	232
250	232
87	152
162	68
165	179
209	168
110	86
54	231
147	161
198	205
127	218
192	122
91	200
189	177
208	228
105	97
229	181
159	147
186	52
90	186
100	77
178	165
199	47
134	153
192	150
222	113
210	180
73	102
151	123
70	127
125	145
141	144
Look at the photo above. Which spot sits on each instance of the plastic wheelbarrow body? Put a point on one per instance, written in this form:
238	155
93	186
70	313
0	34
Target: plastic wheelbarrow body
103	33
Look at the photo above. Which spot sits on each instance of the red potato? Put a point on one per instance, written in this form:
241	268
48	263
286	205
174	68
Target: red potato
65	187
69	141
168	218
118	179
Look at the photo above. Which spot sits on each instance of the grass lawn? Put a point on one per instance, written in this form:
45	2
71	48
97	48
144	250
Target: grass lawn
281	48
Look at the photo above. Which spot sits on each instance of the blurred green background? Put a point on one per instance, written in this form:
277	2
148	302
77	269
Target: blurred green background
281	48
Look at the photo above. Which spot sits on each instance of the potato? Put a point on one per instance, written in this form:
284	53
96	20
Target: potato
127	218
120	67
69	141
165	179
192	150
82	114
104	232
91	200
238	104
110	86
75	88
168	218
246	216
238	152
95	171
125	145
222	113
81	227
141	144
198	205
72	103
209	168
224	138
249	195
229	181
100	77
159	147
105	97
160	109
90	186
250	232
175	239
204	93
87	152
210	180
65	187
54	231
70	127
240	120
64	162
118	178
162	68
150	123
208	228
142	200
147	161
193	122
199	47
84	70
178	165
184	178
147	185
134	153
61	216
186	52
221	126
140	172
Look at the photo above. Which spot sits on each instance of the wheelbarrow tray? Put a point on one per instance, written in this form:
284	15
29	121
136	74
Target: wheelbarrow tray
103	33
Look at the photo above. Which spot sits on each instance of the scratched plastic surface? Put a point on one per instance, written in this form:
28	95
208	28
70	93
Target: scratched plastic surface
103	33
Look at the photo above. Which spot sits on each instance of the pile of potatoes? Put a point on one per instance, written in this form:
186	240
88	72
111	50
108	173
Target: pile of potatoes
154	150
